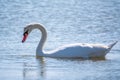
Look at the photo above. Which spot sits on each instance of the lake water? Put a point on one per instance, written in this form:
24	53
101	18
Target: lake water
84	21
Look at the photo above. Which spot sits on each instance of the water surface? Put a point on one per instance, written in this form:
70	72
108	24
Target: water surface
85	21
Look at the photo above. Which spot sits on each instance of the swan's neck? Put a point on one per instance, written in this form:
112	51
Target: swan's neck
42	40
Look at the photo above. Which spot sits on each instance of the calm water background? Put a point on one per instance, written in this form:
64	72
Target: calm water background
85	21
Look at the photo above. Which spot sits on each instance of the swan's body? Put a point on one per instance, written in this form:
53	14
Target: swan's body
69	51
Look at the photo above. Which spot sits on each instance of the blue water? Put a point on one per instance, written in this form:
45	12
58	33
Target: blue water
85	21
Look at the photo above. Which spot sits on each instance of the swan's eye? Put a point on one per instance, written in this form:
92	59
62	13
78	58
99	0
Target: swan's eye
26	32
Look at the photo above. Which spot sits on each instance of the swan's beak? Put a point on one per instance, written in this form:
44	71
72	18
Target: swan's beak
24	37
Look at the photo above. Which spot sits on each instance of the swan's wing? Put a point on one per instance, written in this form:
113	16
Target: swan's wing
79	50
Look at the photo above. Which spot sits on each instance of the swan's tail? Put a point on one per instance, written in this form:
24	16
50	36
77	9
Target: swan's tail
111	45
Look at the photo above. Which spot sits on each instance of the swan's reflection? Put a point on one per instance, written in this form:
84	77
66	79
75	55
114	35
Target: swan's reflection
82	59
41	66
33	71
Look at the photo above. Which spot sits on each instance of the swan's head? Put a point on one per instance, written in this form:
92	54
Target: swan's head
27	30
30	27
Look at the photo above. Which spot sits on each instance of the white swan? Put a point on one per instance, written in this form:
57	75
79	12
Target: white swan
67	51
